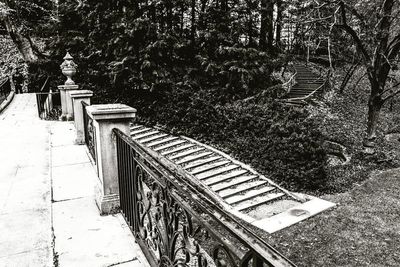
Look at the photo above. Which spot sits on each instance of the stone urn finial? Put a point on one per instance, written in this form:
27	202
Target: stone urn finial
68	68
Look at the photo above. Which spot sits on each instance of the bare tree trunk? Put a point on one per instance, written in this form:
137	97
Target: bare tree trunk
270	25
373	119
278	23
202	22
263	28
375	104
23	43
193	21
267	27
347	77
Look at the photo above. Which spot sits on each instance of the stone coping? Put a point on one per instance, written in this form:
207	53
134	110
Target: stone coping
81	93
7	101
110	111
68	87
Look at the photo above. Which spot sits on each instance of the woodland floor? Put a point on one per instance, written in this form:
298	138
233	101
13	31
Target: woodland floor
343	118
363	230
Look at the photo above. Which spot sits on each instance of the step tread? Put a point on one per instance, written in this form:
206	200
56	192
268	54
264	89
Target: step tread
201	162
160	142
172	144
135	132
194	157
223	177
136	137
134	127
232	182
242	188
177	149
293	215
208	167
248	195
258	201
215	172
152	138
186	153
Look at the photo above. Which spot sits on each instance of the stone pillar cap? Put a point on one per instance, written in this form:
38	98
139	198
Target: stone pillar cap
81	93
68	87
110	111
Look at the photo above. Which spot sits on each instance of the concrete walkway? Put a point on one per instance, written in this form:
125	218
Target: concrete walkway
48	216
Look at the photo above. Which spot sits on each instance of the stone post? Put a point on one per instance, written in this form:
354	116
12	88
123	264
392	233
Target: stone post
77	97
68	68
67	112
105	119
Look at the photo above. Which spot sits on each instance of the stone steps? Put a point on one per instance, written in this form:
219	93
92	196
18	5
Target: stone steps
239	186
306	83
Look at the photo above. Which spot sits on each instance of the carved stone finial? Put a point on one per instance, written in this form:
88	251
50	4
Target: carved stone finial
68	68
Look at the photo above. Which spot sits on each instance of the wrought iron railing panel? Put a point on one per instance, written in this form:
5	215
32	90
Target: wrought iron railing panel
5	89
177	226
48	105
89	131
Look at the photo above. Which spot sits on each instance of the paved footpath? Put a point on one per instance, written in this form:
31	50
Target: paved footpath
48	216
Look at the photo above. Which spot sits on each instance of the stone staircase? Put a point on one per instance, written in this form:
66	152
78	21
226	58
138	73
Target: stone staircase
306	84
257	199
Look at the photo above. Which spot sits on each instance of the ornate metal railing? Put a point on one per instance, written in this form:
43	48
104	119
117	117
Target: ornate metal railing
175	222
89	131
5	89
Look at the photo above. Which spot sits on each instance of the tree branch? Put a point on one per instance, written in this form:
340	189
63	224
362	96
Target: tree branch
391	96
357	40
353	34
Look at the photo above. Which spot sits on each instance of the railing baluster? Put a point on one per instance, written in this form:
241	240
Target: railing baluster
120	181
127	182
131	191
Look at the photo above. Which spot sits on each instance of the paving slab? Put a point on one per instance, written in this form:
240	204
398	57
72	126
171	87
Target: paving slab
293	215
36	257
62	133
83	238
68	155
73	181
25	231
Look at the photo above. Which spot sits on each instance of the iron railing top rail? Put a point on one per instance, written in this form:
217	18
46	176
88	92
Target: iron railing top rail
48	93
45	85
5	87
211	203
3	82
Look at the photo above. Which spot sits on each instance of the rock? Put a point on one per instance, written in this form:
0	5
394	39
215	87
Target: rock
393	137
369	150
368	143
334	160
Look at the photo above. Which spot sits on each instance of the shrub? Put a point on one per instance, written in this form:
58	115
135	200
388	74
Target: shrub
277	140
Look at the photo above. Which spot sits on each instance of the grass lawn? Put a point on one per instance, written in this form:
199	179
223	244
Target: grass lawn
363	230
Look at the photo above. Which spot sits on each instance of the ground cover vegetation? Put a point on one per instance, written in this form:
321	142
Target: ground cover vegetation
189	65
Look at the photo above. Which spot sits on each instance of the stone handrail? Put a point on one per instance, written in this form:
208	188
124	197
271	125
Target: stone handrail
9	97
291	82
